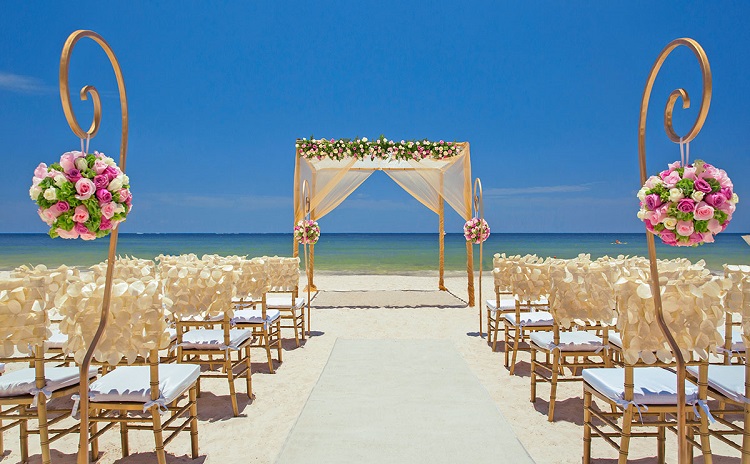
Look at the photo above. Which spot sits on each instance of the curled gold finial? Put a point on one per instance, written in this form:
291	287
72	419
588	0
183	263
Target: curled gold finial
672	100
90	91
478	199
306	199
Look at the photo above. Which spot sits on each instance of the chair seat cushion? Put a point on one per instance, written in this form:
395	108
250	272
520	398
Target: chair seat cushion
614	339
255	316
2	368
23	381
505	305
651	385
213	339
569	341
55	341
532	319
172	333
727	380
132	383
284	302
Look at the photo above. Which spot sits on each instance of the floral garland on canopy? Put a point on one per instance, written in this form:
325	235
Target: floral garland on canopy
381	149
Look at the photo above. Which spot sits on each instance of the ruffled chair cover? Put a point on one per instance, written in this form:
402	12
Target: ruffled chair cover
55	281
23	320
198	290
126	268
283	273
501	271
137	319
252	281
530	279
737	298
582	292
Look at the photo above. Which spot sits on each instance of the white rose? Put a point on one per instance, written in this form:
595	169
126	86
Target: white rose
670	223
364	139
34	192
642	214
60	180
119	209
675	195
50	194
115	184
125	179
109	161
81	164
697	196
642	193
735	198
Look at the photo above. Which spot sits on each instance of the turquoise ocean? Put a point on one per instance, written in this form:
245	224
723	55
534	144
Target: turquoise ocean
360	253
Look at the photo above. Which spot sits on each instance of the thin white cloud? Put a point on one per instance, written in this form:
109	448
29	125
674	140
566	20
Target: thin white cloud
22	84
540	190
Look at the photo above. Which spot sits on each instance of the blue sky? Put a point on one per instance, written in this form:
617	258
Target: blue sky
547	93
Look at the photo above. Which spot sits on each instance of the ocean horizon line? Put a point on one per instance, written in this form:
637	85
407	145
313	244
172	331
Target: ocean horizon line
366	233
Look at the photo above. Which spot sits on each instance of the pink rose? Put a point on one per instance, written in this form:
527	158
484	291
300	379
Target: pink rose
67	233
111	172
659	214
89	236
652	182
653	201
104	195
709	171
106	224
81	228
696	238
81	214
715	199
62	206
727	208
649	226
67	161
74	175
727	192
689	173
665	173
108	210
41	171
686	205
708	237
668	237
703	211
100	166
684	228
101	181
44	215
85	189
672	179
714	226
674	165
702	186
125	196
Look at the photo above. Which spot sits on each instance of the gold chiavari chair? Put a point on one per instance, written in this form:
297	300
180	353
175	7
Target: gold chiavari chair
643	393
133	396
283	279
497	307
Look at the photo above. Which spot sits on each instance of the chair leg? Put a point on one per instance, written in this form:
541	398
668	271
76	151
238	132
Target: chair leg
278	340
489	329
296	330
161	457
232	393
24	436
705	440
267	342
661	440
516	342
2	444
124	442
533	374
43	428
586	427
627	424
553	384
507	346
193	395
94	427
302	321
248	374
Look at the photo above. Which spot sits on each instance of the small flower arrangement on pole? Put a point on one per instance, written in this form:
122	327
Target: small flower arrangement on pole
380	149
687	205
307	232
81	196
476	230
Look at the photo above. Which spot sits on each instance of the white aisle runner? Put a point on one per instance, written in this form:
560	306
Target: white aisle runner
400	401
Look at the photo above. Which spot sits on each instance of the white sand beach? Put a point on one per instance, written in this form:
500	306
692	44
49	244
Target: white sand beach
351	307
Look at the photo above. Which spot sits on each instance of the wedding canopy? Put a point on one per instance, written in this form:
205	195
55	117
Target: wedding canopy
428	175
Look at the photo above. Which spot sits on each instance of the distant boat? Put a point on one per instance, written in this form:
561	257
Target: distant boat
617	242
746	238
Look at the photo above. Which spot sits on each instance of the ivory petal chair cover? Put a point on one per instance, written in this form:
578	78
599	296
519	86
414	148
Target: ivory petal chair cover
283	279
581	298
729	384
265	323
640	396
132	396
503	301
24	327
531	286
202	299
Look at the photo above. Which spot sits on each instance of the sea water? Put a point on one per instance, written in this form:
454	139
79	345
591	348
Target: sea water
362	253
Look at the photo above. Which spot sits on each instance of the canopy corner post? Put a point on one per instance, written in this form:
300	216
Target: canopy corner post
441	238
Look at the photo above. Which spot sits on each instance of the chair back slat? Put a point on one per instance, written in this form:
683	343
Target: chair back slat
283	273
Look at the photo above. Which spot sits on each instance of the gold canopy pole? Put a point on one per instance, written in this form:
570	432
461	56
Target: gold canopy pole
441	236
86	91
479	213
684	450
306	205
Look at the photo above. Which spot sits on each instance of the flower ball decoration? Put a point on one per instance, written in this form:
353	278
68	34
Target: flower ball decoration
476	230
82	196
307	232
687	205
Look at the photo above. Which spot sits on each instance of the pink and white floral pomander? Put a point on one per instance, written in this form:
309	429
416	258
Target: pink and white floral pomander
307	232
687	205
82	196
476	230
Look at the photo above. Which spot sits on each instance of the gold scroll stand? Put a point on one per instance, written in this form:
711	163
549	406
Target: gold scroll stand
306	205
684	450
91	91
478	212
